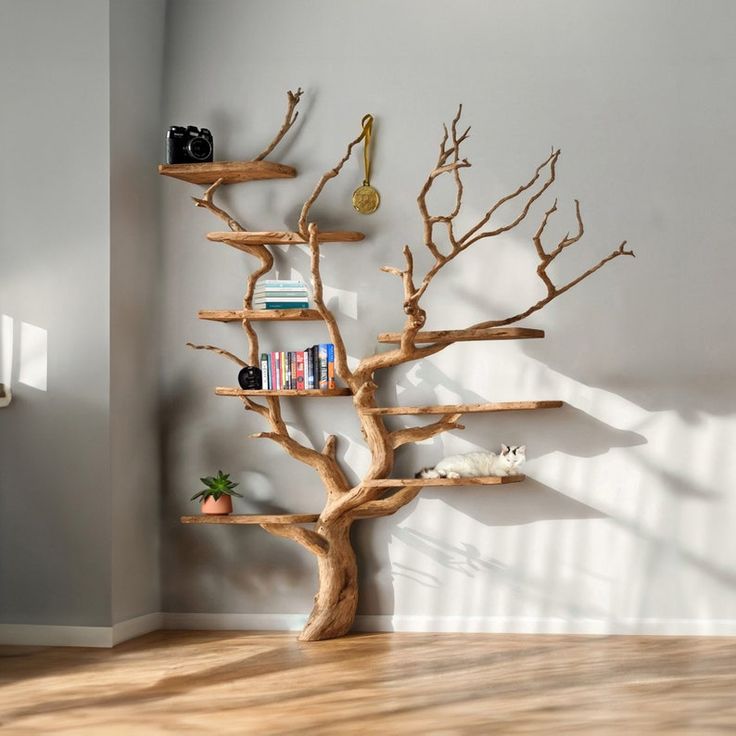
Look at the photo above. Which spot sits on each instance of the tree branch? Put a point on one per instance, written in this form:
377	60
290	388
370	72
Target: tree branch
219	351
331	174
206	201
341	354
386	506
446	423
309	539
289	120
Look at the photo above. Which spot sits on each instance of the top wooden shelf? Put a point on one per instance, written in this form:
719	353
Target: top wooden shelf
493	333
276	237
233	172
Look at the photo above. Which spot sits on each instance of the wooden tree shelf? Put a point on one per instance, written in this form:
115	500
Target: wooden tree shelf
283	238
479	481
274	315
250	519
311	392
232	172
335	603
450	336
464	408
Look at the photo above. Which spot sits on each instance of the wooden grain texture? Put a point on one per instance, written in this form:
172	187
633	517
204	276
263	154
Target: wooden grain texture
275	237
306	393
261	315
250	519
426	482
231	172
393	684
464	408
451	336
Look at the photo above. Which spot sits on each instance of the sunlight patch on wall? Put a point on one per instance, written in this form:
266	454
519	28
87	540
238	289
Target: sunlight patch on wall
33	356
6	349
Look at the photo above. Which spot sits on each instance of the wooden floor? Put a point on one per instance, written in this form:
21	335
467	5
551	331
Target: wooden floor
264	683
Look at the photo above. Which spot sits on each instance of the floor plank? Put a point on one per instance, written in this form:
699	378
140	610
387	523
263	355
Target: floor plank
268	683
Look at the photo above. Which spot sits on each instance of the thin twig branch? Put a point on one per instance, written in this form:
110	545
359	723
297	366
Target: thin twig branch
446	423
219	351
206	201
386	506
341	353
331	174
291	115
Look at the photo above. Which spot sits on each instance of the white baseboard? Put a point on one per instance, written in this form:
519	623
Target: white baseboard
56	636
460	624
135	627
79	636
109	636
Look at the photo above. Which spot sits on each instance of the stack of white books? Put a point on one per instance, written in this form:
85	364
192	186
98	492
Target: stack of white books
281	294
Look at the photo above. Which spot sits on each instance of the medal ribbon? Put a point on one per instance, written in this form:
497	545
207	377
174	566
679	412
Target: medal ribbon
367	124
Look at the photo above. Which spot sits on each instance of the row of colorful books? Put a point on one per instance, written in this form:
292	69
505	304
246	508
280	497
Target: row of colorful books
313	368
281	294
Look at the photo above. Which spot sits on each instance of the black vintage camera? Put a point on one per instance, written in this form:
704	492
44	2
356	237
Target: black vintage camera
188	145
250	378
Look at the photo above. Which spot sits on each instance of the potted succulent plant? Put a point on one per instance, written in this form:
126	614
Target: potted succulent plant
217	495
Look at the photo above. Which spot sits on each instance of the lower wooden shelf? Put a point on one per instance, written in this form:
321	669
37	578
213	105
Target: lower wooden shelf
479	481
311	392
465	408
233	315
250	519
440	336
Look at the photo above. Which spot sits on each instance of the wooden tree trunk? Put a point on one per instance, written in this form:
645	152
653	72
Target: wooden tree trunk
337	598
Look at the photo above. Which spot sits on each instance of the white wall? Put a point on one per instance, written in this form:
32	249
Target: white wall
627	522
136	66
79	472
55	261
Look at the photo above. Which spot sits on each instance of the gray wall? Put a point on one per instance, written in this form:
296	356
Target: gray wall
136	66
628	518
55	511
79	473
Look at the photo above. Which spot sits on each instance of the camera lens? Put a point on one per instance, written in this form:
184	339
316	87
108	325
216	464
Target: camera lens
199	148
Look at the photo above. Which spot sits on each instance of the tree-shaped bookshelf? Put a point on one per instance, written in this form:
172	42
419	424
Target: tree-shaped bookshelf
327	534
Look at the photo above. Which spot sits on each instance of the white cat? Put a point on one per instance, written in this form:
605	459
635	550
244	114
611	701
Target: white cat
477	464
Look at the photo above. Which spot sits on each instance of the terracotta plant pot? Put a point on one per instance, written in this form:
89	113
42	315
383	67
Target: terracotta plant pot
223	505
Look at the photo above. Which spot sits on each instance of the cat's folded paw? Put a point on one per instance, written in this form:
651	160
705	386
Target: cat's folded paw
451	474
428	473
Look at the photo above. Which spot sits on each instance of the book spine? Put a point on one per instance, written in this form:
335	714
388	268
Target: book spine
282	305
272	371
300	371
330	365
264	369
322	366
315	365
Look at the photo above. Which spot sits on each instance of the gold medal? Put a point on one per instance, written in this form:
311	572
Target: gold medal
366	198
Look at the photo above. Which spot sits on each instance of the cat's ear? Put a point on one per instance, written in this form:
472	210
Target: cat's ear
504	449
521	449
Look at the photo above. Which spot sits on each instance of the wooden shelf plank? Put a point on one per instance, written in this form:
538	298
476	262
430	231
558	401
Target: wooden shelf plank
233	172
294	315
440	336
481	481
250	519
466	408
327	392
275	237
